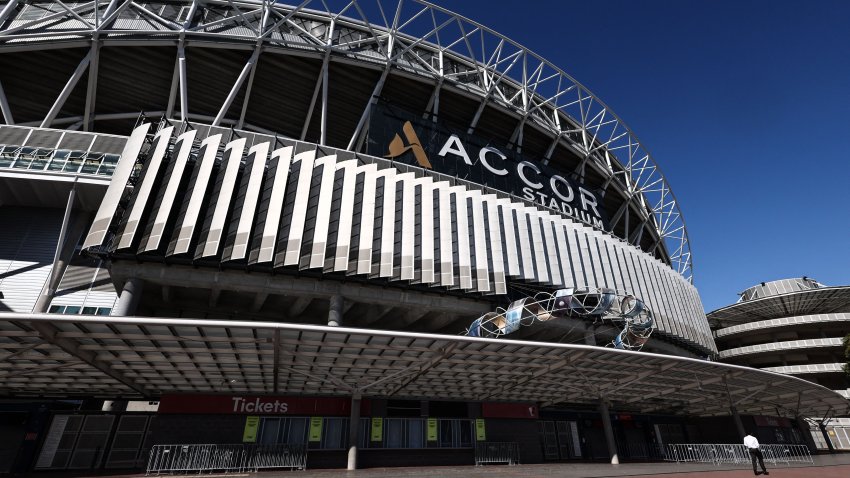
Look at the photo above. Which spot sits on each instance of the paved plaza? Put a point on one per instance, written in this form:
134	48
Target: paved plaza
825	466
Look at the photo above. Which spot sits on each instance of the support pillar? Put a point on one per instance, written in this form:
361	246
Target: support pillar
335	311
738	423
128	301
64	250
353	431
609	431
806	433
823	430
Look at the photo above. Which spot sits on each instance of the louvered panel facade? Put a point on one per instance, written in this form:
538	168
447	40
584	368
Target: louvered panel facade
85	287
311	211
27	245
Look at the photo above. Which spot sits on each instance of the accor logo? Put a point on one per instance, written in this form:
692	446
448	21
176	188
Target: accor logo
397	147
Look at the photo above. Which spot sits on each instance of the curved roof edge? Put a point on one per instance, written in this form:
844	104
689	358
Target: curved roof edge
416	36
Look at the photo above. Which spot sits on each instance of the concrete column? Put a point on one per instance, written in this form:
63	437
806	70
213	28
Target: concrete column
335	311
589	336
353	431
738	423
128	301
806	433
609	431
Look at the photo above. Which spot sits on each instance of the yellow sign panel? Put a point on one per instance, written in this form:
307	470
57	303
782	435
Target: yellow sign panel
377	429
432	429
480	432
316	429
252	425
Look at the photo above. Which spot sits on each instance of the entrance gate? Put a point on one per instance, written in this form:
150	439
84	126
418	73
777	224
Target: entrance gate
560	440
87	442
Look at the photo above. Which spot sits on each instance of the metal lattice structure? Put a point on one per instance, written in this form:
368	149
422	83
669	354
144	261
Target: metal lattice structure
147	357
587	304
408	38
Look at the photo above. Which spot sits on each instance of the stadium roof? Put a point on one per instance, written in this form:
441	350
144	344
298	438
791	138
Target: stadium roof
823	300
67	356
111	60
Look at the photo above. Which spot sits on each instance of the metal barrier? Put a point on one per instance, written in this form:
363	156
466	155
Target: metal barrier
277	456
496	452
238	458
736	453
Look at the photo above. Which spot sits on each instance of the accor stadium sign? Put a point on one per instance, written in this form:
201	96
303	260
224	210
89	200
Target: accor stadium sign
425	144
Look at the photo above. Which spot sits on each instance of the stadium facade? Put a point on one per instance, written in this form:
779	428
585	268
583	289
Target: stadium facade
791	326
242	221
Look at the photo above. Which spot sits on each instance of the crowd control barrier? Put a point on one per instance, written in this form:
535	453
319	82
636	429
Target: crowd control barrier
496	452
176	459
737	454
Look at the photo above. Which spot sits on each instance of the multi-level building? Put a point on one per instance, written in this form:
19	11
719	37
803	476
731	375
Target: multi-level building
273	223
790	326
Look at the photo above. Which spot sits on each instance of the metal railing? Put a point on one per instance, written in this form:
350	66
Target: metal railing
737	454
496	452
173	459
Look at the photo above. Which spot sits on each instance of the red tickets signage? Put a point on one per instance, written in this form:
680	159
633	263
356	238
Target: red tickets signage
509	410
258	405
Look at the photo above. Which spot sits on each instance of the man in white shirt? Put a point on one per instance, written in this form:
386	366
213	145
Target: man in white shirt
752	445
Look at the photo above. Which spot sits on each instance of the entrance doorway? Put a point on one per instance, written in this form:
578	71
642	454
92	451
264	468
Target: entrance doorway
560	439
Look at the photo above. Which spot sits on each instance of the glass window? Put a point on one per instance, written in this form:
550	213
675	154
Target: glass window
289	430
404	433
59	159
334	433
107	166
56	309
103	311
25	157
7	155
455	433
89	310
74	162
72	310
41	158
91	164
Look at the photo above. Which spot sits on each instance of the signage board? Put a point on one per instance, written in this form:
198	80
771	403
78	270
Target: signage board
408	139
252	425
480	430
432	429
258	405
316	429
377	429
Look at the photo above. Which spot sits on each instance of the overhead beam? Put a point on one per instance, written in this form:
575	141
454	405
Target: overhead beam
243	75
4	107
7	11
50	333
66	91
91	92
299	306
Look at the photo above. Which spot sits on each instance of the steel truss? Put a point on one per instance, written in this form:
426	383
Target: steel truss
413	37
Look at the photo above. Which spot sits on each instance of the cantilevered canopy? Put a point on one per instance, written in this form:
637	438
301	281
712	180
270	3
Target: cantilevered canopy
824	300
49	355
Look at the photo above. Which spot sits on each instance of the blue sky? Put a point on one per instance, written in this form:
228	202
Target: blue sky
744	105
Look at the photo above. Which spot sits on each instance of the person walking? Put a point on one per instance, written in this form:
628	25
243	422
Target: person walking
752	445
